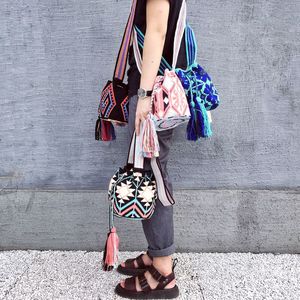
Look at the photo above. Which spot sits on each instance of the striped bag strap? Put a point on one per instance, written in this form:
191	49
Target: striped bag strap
121	62
164	195
135	155
136	158
191	45
180	27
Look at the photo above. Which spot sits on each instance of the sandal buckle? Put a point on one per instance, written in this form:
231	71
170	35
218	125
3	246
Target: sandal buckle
143	283
158	276
174	263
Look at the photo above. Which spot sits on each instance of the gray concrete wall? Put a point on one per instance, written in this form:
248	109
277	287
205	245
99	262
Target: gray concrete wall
205	220
55	56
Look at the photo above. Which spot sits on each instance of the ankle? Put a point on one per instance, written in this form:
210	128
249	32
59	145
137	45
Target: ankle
163	264
147	260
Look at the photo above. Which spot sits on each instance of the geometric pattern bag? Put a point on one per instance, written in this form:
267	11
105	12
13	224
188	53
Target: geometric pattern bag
113	106
170	107
132	190
201	93
132	194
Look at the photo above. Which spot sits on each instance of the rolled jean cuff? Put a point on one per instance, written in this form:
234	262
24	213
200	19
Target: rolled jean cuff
162	252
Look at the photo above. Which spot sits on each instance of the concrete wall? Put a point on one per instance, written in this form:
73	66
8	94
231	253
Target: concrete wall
55	56
206	221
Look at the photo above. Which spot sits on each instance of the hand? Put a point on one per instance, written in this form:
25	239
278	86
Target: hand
142	110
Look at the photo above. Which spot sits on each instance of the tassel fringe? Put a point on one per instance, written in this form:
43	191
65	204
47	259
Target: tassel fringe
199	124
191	126
104	130
97	129
111	249
150	143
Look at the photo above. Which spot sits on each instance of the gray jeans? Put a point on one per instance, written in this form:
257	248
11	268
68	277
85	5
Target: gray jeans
159	229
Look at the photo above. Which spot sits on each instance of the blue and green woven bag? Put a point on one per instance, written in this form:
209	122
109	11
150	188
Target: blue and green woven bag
200	91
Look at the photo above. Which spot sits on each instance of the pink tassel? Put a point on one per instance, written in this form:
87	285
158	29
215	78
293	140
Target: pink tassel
106	131
110	255
150	144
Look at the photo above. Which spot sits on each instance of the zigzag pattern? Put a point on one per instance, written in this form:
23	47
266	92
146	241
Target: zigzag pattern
170	104
124	107
133	194
108	101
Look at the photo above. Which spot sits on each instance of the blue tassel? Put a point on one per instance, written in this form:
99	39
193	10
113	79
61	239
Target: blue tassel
203	124
198	125
191	133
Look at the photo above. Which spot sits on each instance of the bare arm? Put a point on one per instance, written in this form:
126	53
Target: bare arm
157	13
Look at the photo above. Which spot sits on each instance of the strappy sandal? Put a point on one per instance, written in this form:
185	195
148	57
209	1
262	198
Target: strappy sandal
131	269
160	292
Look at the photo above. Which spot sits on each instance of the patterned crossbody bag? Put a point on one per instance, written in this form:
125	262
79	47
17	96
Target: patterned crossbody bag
200	92
132	194
170	107
113	106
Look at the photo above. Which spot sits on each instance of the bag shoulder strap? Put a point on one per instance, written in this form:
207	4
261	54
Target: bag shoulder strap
180	27
191	45
136	158
121	62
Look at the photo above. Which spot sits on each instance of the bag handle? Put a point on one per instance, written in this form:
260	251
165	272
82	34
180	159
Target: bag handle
136	158
191	45
121	62
135	155
138	40
181	24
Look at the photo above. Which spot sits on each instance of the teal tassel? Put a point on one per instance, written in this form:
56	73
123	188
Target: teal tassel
203	124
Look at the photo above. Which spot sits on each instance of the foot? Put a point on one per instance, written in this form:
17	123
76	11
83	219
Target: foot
163	265
146	259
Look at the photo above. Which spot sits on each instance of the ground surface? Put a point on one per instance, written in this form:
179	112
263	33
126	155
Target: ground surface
78	275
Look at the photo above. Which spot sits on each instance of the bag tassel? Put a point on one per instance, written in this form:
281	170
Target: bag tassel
191	133
97	128
104	130
199	124
150	143
111	250
203	124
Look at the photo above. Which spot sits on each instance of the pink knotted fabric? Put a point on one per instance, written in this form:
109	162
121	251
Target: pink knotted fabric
150	143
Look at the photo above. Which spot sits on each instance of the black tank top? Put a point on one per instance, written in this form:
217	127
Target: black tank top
133	73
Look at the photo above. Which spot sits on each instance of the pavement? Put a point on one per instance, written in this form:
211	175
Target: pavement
70	275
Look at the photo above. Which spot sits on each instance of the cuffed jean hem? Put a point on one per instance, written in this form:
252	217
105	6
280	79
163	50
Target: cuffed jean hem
162	252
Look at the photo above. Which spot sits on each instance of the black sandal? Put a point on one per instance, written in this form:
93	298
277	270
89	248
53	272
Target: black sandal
160	292
131	269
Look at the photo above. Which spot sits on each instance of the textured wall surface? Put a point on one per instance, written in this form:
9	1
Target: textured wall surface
55	56
206	221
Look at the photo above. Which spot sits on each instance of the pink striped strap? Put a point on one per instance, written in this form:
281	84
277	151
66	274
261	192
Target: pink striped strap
121	62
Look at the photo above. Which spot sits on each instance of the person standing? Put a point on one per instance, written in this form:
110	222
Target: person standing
152	272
